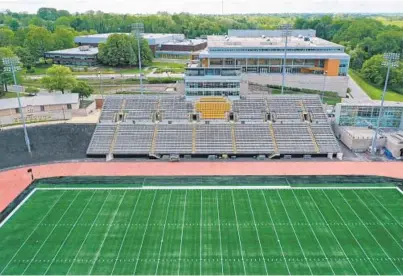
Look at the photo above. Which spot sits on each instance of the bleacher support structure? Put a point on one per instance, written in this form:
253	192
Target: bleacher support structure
274	125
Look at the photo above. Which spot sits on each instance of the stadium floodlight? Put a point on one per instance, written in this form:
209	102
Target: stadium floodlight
390	60
138	31
12	65
285	33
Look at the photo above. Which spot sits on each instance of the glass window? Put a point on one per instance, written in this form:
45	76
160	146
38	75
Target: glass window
68	106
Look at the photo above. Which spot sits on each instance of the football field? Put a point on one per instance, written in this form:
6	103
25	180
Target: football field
287	231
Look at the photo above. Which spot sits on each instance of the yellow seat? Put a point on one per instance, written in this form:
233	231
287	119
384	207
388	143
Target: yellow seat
213	107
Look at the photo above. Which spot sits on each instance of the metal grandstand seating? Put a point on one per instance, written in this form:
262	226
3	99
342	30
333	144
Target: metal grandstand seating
101	139
134	139
250	109
293	138
174	139
213	139
161	125
325	138
253	139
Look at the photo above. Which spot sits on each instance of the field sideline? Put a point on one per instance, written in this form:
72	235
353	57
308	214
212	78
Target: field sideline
206	231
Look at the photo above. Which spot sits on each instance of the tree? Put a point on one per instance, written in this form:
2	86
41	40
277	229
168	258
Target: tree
38	40
63	38
6	37
83	89
25	56
122	50
47	14
373	70
59	77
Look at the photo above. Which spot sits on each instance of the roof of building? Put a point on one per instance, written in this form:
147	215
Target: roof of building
100	38
367	102
267	42
78	51
260	32
186	42
69	98
298	55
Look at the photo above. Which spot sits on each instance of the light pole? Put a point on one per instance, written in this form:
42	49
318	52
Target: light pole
391	60
324	85
285	33
138	30
100	84
12	65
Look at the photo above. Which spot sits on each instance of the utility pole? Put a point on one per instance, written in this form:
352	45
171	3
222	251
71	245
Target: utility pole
391	60
138	31
285	33
11	64
100	85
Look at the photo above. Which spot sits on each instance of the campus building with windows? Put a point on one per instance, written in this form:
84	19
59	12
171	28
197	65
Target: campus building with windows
80	56
308	55
365	114
225	82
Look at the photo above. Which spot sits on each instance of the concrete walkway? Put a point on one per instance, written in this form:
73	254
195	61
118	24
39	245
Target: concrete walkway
356	91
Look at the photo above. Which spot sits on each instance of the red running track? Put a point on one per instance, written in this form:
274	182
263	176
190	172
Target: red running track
14	181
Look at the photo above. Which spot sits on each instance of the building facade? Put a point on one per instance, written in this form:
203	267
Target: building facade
39	108
80	56
264	55
365	114
202	82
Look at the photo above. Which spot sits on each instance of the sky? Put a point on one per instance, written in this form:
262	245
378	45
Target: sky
210	6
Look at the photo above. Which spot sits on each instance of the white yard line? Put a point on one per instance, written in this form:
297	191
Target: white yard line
334	235
351	232
295	233
313	232
163	234
88	233
33	231
106	235
386	254
401	247
257	233
275	231
237	229
183	227
219	230
383	206
127	230
16	208
144	234
201	228
71	230
51	232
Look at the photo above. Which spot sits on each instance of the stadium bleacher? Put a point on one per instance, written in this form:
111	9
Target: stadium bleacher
164	125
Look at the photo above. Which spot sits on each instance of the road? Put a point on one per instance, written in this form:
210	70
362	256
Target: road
356	91
115	76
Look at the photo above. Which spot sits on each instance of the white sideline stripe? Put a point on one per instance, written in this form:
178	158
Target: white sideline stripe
400	191
218	188
18	207
295	233
22	245
351	232
201	229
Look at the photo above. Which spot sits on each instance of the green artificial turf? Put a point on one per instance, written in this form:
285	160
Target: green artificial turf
239	231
